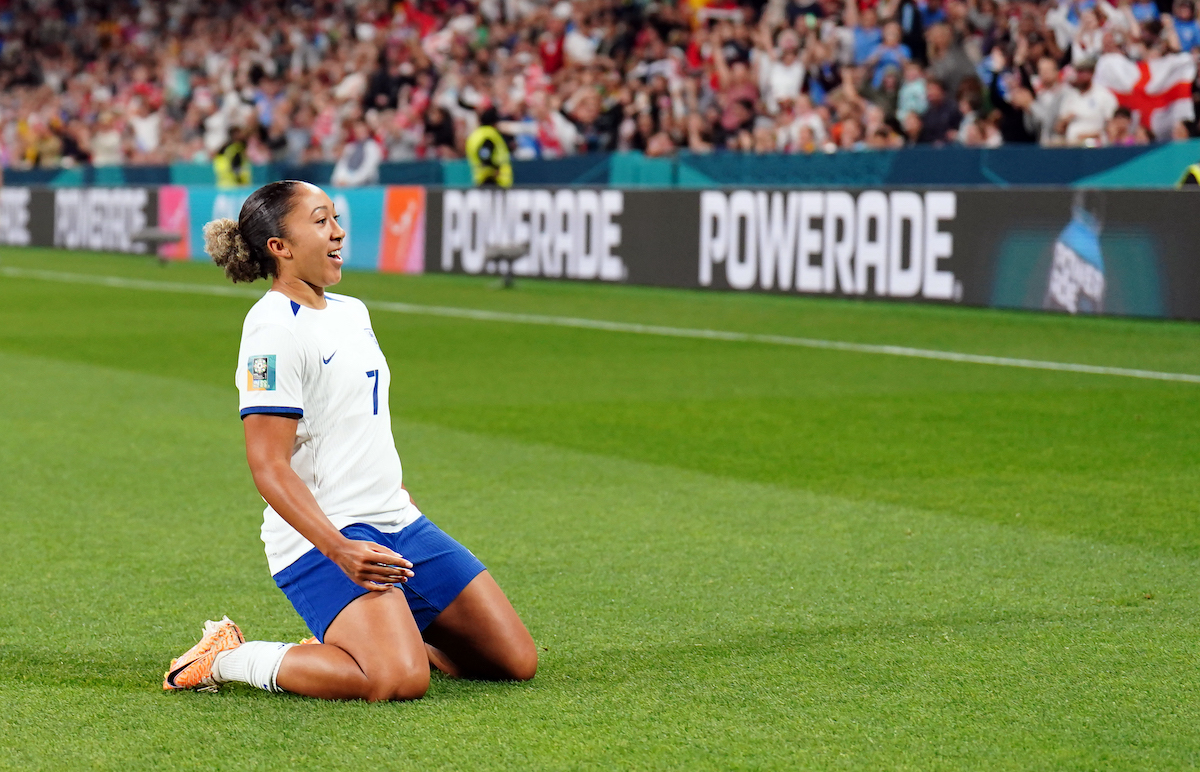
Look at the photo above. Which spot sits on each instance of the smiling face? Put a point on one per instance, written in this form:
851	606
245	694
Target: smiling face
311	250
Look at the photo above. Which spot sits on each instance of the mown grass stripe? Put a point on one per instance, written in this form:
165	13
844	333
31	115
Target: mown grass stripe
623	327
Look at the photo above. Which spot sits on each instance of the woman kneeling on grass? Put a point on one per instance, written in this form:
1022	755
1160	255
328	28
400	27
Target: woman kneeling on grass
383	589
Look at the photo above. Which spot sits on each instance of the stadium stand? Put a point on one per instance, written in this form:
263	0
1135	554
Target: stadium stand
117	83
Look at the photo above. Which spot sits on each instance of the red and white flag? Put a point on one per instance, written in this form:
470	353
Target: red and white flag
1158	92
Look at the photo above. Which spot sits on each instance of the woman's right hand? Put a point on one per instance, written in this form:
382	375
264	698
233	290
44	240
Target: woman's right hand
370	565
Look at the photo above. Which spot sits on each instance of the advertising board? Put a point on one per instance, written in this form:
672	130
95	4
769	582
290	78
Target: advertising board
1114	252
1126	253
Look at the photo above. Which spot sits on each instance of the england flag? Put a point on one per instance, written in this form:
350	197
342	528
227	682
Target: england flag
1158	92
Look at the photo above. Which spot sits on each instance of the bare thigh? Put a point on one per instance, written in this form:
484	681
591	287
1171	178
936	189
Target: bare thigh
373	651
482	636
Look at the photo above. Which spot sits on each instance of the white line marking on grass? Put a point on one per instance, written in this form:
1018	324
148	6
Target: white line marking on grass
627	327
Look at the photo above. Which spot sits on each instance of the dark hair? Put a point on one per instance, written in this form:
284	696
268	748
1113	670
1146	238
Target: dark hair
241	247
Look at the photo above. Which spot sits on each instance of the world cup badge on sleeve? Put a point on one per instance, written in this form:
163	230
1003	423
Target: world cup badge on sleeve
260	373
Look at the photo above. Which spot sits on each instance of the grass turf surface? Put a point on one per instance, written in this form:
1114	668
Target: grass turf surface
733	555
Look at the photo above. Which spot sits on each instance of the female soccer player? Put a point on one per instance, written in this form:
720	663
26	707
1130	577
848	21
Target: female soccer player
383	589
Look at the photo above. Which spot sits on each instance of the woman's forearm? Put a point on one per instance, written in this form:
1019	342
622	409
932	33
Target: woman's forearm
293	501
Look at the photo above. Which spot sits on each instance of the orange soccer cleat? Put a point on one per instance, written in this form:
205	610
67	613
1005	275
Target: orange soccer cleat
193	669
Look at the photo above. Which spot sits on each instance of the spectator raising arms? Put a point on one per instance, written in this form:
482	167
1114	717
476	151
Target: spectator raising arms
167	81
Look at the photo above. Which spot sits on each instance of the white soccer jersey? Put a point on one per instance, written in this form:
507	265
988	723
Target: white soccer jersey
326	369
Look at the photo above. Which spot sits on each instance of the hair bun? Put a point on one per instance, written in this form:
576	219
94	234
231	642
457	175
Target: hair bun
241	247
224	243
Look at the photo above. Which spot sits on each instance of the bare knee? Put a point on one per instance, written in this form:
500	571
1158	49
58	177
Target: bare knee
400	685
522	664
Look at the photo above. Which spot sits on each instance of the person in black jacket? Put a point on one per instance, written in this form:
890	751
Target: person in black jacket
1012	96
912	30
942	118
393	73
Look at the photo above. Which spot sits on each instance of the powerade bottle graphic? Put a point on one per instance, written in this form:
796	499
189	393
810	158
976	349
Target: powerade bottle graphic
1076	283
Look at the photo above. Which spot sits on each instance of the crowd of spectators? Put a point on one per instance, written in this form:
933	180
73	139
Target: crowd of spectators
147	82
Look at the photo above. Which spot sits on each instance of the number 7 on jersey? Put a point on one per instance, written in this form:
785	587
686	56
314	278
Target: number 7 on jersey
375	391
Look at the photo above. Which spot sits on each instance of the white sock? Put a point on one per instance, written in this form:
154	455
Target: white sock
254	662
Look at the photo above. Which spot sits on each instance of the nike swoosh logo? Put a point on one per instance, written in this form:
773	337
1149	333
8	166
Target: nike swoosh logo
174	673
331	356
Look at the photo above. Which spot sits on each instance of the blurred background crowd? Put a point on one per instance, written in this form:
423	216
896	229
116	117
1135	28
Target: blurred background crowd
111	82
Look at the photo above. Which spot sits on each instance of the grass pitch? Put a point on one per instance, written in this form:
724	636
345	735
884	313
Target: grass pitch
732	555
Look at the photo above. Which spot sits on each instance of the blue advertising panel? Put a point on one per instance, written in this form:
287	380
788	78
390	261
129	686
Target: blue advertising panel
360	210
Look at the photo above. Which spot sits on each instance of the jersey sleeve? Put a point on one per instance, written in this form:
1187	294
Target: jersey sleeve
270	376
366	320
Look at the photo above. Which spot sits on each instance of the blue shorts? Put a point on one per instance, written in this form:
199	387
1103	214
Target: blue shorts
319	590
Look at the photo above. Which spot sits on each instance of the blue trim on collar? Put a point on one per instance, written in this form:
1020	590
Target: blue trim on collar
295	308
284	412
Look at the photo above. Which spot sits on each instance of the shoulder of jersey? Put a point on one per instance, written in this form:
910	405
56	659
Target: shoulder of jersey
337	297
348	301
272	308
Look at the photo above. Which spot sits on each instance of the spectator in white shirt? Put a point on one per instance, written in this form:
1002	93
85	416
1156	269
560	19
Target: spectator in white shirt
1089	39
1085	109
1048	104
804	118
146	127
107	145
360	159
580	45
780	73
